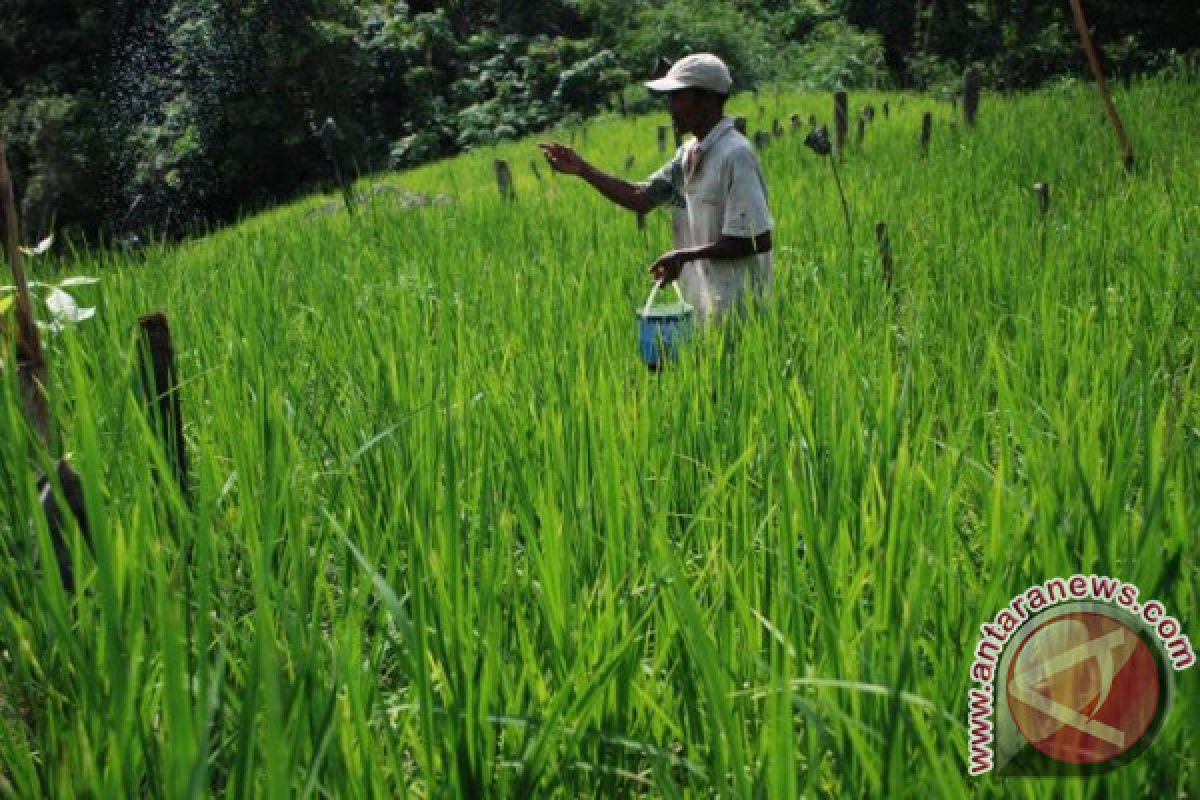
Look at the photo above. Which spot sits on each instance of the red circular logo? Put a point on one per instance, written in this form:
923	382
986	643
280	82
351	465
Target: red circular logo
1083	688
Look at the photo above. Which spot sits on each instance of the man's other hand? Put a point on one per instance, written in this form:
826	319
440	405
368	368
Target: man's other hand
669	265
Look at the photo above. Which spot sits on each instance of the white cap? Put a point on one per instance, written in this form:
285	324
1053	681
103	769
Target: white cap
697	71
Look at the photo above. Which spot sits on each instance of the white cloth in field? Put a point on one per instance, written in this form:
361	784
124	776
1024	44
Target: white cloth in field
716	188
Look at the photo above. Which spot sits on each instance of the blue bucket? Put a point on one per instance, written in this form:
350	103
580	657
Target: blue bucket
663	328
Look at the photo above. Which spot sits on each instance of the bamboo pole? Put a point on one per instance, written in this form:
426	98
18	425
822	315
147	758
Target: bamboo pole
1089	48
31	360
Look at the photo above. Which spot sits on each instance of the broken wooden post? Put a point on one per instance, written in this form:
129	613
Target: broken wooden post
841	120
776	128
862	128
795	122
1089	48
504	179
740	124
926	131
761	140
868	113
160	381
885	252
662	138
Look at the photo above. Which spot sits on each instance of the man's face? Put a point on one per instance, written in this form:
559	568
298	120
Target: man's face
684	105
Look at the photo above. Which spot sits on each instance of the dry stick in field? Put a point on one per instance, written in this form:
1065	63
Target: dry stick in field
970	92
885	252
1089	47
840	120
926	131
537	173
161	384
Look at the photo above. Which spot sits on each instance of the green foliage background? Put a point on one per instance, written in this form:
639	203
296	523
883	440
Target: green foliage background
166	116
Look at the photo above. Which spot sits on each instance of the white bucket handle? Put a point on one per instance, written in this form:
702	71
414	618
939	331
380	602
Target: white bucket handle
654	291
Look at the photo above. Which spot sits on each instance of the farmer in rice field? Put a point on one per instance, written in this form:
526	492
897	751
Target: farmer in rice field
723	237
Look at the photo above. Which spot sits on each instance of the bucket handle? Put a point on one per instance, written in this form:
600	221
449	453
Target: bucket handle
654	291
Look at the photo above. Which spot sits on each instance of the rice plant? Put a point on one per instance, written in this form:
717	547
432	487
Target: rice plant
447	537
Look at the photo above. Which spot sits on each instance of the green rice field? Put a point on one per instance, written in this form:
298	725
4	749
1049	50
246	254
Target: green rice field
447	537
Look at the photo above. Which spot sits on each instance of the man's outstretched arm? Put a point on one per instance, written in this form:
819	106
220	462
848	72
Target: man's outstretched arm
625	194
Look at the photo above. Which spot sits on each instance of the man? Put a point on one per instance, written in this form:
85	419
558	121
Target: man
723	239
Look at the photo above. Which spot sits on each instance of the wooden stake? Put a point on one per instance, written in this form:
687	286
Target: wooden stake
761	140
841	119
970	92
885	252
1089	47
662	138
161	384
504	179
537	173
926	131
1042	190
740	124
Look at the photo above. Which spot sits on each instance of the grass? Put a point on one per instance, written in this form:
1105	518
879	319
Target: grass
449	539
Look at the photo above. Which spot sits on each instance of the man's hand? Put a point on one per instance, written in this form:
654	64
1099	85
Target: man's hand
669	265
562	158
